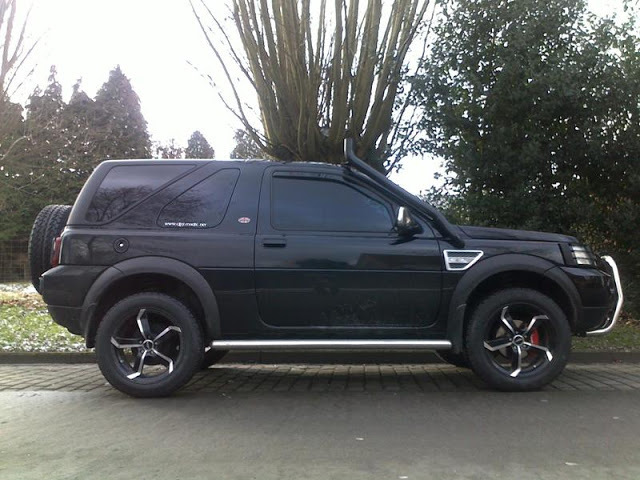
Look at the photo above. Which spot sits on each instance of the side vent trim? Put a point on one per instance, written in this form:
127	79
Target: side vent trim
460	260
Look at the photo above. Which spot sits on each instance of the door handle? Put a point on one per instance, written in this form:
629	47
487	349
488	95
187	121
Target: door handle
274	242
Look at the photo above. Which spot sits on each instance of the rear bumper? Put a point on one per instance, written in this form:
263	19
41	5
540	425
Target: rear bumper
67	285
64	289
68	317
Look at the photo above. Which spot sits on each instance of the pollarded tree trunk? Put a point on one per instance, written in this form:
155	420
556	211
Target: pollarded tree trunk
321	71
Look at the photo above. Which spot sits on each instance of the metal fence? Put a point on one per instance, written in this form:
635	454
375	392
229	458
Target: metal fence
14	262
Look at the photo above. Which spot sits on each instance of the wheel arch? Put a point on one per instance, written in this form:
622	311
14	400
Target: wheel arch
506	271
159	274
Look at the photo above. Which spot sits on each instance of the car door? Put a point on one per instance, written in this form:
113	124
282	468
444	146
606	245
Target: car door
327	257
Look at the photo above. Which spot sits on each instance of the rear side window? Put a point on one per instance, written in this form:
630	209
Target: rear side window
126	185
204	205
325	205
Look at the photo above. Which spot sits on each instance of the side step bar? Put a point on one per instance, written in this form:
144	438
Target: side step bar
331	345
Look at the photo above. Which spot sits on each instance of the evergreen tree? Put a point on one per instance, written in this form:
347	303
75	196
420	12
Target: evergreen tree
167	150
82	153
45	121
198	147
33	172
60	144
246	147
12	140
11	127
119	121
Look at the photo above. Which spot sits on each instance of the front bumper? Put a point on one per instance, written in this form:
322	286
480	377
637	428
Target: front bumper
613	317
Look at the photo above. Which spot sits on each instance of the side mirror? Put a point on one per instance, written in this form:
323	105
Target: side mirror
405	224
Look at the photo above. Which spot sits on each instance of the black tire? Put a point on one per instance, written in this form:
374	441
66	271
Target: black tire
181	344
48	225
211	357
510	350
457	359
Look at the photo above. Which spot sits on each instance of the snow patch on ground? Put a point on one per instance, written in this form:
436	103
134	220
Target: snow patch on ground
17	288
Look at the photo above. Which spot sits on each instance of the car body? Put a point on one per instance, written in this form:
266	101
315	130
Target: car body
269	254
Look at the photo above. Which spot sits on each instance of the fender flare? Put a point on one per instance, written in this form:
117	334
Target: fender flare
152	265
496	265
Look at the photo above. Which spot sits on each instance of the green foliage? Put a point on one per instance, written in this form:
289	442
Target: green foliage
26	326
246	147
623	338
167	150
119	119
534	105
56	147
198	147
11	128
24	330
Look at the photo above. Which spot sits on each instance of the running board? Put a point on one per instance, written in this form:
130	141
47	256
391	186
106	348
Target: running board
331	345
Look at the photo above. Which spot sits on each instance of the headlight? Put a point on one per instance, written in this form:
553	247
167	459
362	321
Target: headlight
583	255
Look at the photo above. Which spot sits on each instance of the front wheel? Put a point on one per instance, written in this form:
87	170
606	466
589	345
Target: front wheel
148	345
518	340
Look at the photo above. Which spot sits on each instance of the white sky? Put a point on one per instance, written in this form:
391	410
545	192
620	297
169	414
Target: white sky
153	41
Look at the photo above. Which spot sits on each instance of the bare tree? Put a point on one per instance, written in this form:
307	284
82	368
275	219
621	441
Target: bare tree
320	74
13	45
14	53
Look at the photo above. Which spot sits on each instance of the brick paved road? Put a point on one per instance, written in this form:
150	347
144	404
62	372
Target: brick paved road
320	422
228	378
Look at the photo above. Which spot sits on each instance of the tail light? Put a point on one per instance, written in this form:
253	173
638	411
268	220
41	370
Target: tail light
56	252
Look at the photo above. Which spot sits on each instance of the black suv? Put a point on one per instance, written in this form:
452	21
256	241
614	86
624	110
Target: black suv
163	266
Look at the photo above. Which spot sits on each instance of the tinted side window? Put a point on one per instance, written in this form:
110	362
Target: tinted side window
126	185
204	205
325	205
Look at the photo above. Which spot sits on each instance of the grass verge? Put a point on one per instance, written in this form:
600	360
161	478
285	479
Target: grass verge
625	337
25	326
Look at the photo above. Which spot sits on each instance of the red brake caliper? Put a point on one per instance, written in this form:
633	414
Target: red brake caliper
535	337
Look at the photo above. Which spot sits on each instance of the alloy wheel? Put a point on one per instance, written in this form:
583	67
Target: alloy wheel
520	340
147	346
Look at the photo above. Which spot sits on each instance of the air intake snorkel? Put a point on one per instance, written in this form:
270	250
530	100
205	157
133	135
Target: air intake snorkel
439	221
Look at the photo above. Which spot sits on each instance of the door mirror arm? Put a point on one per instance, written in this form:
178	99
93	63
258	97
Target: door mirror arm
405	225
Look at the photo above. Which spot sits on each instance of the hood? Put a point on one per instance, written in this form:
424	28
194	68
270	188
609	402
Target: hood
488	233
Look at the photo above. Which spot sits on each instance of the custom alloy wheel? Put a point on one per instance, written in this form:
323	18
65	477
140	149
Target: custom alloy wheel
515	344
518	339
154	344
148	345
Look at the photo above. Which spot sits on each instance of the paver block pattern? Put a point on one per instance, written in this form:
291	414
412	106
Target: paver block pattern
247	378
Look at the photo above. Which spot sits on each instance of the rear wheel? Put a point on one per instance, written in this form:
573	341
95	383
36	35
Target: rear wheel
148	345
48	225
518	340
